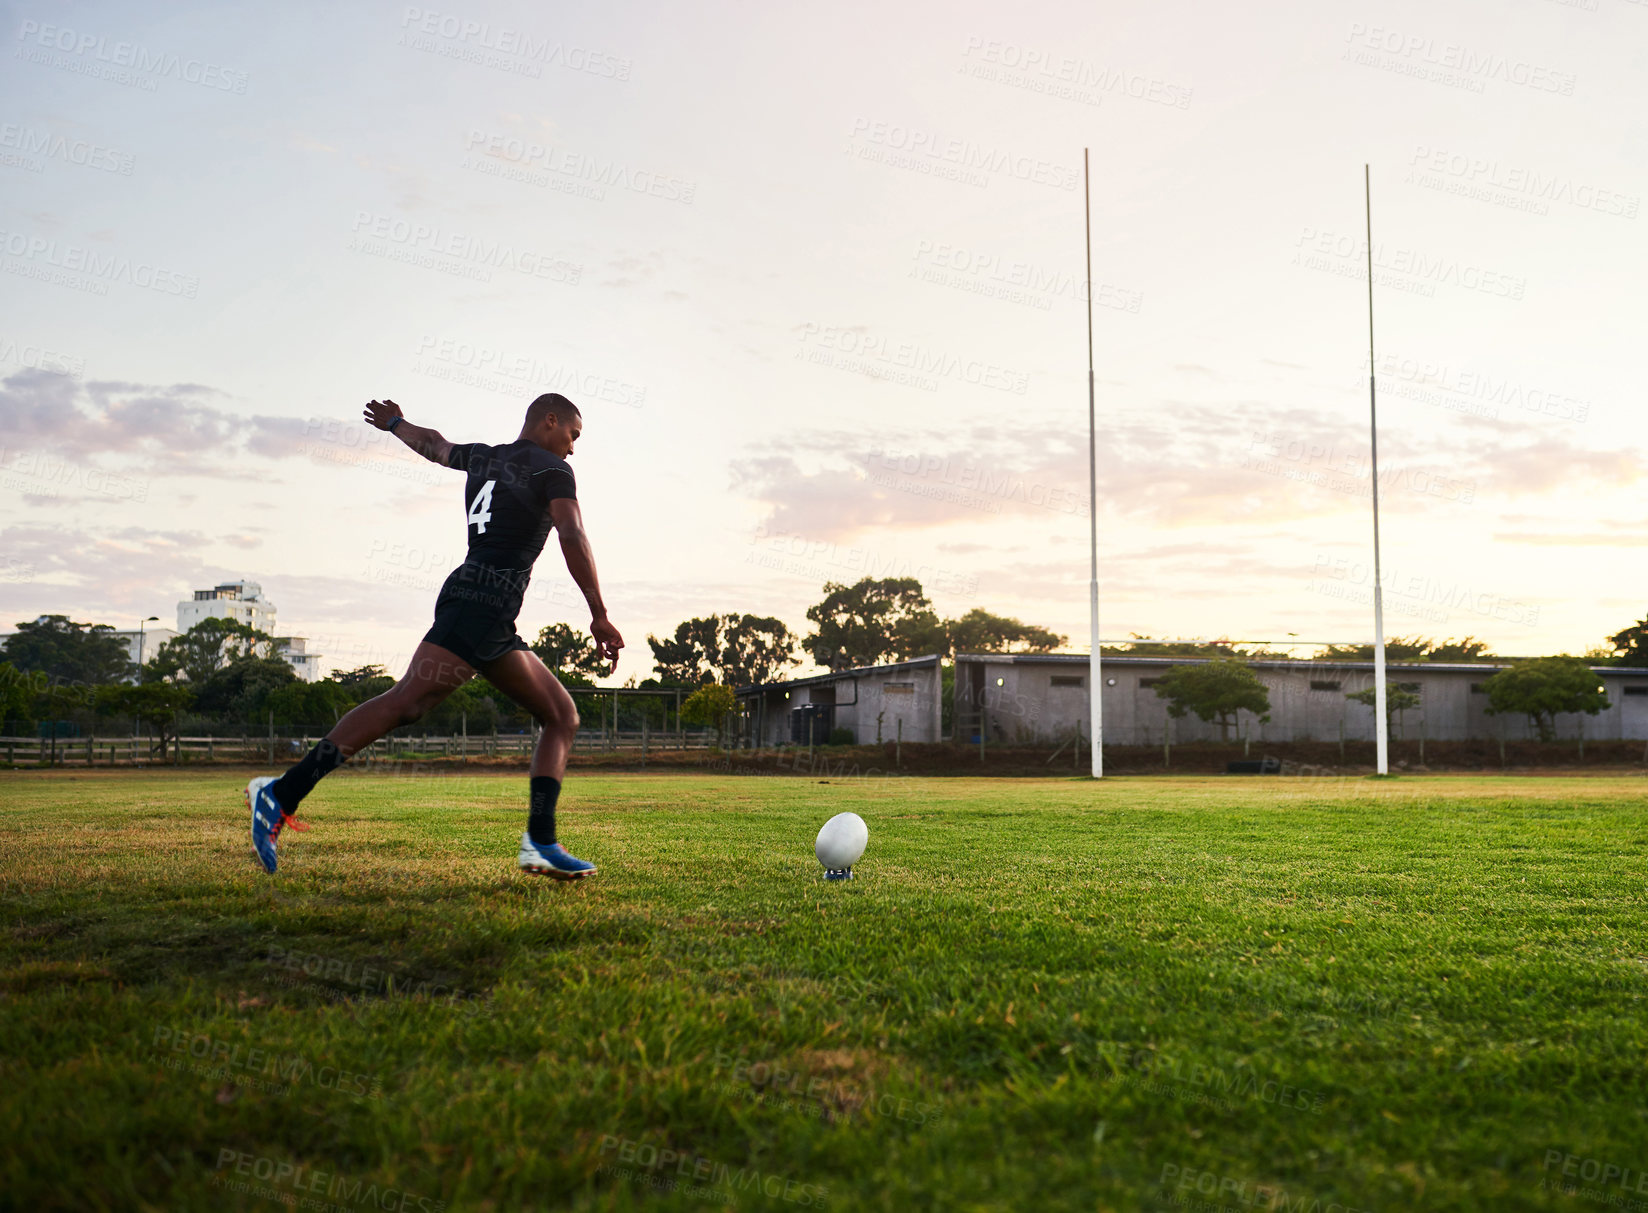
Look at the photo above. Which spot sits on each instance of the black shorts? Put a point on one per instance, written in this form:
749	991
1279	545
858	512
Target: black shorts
475	614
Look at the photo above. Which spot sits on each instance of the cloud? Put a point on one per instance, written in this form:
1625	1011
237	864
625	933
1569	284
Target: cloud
1602	532
148	430
108	575
1182	465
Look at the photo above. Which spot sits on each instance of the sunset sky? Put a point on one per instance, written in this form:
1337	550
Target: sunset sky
815	277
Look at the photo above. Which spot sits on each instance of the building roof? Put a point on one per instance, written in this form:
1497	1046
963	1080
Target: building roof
914	663
1448	667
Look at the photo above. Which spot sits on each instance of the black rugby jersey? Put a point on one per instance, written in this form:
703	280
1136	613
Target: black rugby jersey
506	500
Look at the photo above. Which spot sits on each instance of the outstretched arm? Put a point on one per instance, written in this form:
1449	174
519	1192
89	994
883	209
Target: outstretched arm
428	443
580	562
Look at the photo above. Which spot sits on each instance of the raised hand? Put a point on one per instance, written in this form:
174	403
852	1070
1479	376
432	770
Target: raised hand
380	413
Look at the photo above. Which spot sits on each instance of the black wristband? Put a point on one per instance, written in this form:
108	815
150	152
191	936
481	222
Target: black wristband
393	422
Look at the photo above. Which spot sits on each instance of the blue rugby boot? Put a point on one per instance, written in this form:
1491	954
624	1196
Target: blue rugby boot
268	819
552	860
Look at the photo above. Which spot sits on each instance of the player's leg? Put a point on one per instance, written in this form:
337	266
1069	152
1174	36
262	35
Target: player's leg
522	676
433	675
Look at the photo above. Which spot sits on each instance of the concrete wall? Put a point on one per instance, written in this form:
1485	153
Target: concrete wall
905	693
1044	700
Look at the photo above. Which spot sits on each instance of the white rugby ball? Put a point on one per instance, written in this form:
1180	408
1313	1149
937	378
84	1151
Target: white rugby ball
842	841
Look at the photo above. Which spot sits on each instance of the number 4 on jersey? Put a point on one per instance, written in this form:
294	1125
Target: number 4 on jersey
480	510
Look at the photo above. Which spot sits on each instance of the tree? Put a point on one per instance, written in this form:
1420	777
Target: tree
689	657
358	675
1468	649
754	648
564	647
1397	700
1215	690
16	696
733	649
297	703
1410	648
154	703
1397	648
366	682
65	651
1543	688
873	621
239	689
710	704
206	648
1631	645
979	631
1222	647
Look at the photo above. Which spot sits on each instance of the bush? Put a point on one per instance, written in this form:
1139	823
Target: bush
840	737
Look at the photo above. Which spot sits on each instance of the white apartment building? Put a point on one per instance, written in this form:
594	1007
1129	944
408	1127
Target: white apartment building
244	601
294	649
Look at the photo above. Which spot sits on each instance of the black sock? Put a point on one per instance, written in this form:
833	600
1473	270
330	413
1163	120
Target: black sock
301	778
540	824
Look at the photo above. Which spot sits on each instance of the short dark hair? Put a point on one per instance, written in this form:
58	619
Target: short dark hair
550	402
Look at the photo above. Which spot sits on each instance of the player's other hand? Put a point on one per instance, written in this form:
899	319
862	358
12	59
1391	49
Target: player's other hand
380	413
607	641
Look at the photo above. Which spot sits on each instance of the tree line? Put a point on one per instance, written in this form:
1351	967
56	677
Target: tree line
871	622
226	674
223	675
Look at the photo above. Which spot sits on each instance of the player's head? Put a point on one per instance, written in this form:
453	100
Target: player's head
554	423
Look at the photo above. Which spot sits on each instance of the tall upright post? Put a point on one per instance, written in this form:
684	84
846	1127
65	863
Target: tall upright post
1381	723
1095	687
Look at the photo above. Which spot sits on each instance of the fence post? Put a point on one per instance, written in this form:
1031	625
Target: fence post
464	724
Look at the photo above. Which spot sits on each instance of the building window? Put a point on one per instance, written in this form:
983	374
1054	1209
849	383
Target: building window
1636	690
1067	680
899	688
1145	683
1319	684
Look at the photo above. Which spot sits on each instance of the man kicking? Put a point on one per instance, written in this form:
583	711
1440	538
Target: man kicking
513	495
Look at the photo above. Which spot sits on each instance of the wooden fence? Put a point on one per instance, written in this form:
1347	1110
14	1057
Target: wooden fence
145	751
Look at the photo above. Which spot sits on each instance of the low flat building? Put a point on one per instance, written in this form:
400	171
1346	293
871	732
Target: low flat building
901	701
141	646
1042	698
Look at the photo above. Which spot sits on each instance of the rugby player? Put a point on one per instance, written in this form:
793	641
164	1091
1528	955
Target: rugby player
513	495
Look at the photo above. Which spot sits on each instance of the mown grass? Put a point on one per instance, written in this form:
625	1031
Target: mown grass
1038	994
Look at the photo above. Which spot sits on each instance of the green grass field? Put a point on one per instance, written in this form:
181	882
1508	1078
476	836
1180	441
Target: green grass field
1038	994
